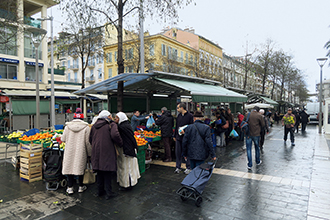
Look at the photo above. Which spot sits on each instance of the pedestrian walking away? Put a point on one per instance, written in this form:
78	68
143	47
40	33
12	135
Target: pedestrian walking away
288	121
103	137
166	123
297	115
127	164
264	130
77	149
304	120
240	119
197	143
184	118
230	118
218	130
255	122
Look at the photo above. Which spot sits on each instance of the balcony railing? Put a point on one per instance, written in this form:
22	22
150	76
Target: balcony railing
30	53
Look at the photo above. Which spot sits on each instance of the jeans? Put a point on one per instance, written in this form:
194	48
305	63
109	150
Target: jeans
195	163
286	131
248	142
178	155
71	180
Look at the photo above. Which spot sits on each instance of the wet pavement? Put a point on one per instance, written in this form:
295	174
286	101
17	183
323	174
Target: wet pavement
291	183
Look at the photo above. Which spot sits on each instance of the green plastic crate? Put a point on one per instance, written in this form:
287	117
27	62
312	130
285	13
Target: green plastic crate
141	156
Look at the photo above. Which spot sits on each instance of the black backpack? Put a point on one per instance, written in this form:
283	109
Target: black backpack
53	170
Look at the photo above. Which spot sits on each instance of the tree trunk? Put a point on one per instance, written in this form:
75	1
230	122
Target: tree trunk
245	78
282	87
120	60
264	80
272	93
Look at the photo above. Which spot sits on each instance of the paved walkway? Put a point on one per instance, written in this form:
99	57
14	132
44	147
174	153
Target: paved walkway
291	183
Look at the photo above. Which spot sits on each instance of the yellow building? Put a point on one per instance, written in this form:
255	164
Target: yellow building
209	62
161	53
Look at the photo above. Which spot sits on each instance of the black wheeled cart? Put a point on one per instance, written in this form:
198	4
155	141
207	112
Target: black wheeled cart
194	183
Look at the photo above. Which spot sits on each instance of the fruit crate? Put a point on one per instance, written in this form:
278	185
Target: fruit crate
141	156
30	162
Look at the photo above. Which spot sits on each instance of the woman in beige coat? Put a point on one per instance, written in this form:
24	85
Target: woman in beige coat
77	148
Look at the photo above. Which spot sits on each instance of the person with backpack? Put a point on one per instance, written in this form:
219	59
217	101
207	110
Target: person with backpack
103	137
218	130
197	143
251	126
77	149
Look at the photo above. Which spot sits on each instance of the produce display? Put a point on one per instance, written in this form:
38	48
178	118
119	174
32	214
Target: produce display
46	138
142	137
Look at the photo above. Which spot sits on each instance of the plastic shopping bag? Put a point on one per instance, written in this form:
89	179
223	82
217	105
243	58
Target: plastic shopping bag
150	122
233	133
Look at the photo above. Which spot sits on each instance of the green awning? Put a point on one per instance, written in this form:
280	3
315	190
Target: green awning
28	107
269	101
67	101
206	92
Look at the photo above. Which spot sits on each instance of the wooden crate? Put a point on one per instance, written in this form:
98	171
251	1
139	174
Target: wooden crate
31	162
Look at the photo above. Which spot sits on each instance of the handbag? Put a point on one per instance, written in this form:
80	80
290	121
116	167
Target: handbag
225	126
89	176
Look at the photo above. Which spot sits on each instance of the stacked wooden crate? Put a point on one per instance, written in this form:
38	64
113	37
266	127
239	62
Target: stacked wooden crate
31	162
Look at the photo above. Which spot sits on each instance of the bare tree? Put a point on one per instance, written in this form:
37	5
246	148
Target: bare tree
10	24
114	11
264	61
82	37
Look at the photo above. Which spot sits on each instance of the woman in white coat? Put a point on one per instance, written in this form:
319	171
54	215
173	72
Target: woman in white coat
77	149
127	165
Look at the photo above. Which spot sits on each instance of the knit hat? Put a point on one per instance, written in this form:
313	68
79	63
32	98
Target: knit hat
262	111
78	110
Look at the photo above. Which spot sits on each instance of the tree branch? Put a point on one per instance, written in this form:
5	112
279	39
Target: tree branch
109	18
130	11
114	4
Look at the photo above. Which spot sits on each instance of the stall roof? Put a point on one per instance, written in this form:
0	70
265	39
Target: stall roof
270	101
206	93
201	90
16	92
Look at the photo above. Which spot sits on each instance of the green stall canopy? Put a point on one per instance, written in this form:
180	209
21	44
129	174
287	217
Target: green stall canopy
28	107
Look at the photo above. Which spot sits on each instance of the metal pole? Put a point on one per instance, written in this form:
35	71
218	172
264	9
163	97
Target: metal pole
52	98
37	90
141	39
320	97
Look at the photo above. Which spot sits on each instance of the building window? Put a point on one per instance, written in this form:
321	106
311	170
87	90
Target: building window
30	73
92	74
116	56
163	50
109	58
175	54
130	69
69	64
186	61
151	66
97	58
129	54
75	76
110	72
8	71
69	77
152	50
100	73
169	52
181	56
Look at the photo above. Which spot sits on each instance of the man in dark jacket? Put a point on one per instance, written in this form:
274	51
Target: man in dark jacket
166	123
256	122
183	118
197	144
230	118
304	120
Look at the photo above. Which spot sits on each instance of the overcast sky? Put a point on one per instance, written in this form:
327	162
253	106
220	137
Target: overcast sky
299	27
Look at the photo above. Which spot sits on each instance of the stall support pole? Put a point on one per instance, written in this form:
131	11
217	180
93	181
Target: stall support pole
148	103
10	113
109	102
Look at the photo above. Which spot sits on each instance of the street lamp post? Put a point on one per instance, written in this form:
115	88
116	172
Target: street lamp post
37	34
321	62
52	96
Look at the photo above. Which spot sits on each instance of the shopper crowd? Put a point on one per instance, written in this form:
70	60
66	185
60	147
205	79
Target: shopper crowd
110	145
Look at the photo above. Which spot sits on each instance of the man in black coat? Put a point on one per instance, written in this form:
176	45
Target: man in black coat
166	123
304	120
197	143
